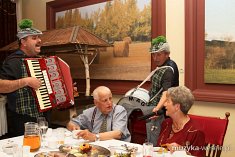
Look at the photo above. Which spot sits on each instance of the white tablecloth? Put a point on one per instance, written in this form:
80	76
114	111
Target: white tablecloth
71	141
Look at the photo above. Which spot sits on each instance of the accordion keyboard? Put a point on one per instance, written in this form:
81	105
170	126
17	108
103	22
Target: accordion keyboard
43	92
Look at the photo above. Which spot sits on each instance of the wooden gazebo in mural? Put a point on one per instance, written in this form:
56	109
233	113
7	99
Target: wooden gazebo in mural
69	40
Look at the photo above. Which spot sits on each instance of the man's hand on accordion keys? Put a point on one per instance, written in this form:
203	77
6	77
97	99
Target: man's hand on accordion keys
31	82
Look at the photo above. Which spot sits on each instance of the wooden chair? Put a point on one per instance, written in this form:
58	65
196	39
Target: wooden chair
215	129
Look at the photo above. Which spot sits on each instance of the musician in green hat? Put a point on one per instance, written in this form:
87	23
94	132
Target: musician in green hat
167	76
21	104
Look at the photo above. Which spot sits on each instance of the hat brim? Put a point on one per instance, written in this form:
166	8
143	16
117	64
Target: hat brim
165	47
28	32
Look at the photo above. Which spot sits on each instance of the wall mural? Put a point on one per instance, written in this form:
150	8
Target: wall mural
124	24
219	42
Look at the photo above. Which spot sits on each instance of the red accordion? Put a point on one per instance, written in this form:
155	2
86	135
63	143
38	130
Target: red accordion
57	85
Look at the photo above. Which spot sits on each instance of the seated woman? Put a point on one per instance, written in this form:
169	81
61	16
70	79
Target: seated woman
179	132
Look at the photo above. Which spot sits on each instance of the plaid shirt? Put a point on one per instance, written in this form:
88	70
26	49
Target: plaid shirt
22	100
163	78
25	101
156	86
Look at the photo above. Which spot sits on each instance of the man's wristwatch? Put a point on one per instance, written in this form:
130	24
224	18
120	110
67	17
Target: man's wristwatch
97	137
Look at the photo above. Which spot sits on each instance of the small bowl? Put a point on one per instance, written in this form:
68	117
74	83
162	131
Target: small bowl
9	148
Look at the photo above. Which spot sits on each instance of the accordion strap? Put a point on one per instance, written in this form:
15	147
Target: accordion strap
148	77
151	74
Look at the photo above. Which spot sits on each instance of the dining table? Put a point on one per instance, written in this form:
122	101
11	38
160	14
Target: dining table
70	140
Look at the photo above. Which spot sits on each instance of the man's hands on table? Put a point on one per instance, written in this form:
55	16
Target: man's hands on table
86	135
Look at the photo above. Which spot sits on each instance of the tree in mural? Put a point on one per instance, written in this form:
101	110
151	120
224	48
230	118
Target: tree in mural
117	20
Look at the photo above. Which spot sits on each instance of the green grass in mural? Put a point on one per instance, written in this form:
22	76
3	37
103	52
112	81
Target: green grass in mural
221	76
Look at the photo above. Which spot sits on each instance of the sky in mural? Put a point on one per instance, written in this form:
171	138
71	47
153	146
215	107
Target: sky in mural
92	8
220	23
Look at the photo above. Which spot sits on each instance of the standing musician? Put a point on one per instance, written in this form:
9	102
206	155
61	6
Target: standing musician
161	80
21	104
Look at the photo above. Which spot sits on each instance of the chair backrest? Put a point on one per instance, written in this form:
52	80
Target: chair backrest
136	127
215	129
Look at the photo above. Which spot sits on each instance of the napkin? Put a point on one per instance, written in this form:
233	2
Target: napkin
3	116
3	154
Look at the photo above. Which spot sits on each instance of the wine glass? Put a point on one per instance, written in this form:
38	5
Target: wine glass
39	119
43	125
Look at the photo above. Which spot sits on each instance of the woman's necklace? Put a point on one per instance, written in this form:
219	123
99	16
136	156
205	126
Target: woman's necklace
176	128
180	126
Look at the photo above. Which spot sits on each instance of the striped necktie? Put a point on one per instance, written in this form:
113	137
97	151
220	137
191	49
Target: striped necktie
103	127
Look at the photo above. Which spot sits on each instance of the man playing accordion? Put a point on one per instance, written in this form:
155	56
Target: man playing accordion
21	104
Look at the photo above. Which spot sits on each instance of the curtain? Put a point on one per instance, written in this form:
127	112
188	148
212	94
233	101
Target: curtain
8	24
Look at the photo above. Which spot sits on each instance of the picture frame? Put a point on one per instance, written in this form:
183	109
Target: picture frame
194	58
116	86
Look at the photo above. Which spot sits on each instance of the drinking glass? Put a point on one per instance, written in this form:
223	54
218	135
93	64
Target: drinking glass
39	119
43	125
59	132
17	151
147	149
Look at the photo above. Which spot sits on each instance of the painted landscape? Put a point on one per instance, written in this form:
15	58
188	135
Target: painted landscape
220	62
219	67
126	25
106	66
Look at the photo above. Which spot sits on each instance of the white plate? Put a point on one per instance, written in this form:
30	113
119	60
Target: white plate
156	149
157	153
118	150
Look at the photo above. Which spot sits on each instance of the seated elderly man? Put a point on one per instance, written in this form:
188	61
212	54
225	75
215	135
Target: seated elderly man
104	121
